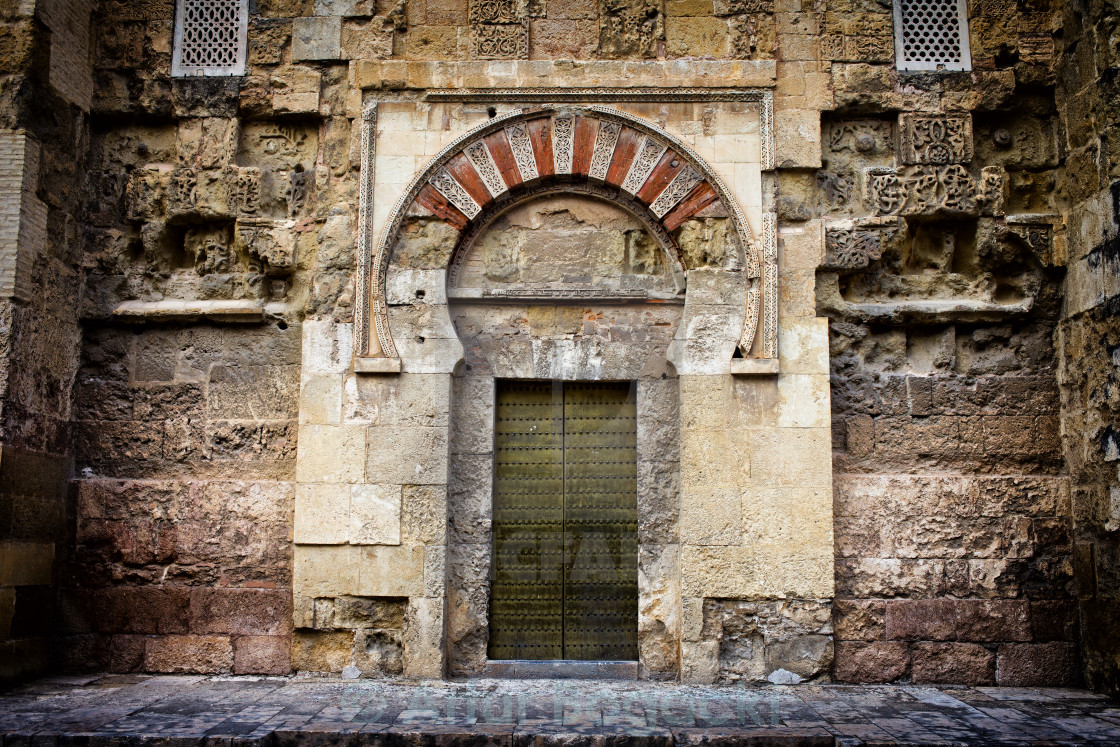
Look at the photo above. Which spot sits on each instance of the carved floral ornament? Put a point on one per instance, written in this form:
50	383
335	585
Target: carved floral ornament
595	150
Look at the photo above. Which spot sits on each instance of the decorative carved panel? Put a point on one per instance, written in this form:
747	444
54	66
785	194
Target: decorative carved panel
935	139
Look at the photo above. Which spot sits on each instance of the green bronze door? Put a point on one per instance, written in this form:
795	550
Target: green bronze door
565	562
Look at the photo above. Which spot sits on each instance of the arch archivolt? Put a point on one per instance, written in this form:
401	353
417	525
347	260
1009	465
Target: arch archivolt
524	154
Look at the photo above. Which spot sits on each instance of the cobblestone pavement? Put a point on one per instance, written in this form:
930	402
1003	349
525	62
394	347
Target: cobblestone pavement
177	711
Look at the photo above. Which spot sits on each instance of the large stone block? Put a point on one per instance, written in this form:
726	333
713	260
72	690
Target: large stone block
423	643
791	456
803	401
26	563
375	515
711	517
958	663
262	654
316	38
188	654
859	619
390	571
245	612
324	571
803	345
718	571
789	518
331	454
141	610
321	652
424	511
407	455
472	425
320	399
1037	665
328	346
322	514
871	662
713	460
699	662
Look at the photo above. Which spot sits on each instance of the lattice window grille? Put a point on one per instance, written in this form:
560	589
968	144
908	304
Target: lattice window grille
210	37
931	35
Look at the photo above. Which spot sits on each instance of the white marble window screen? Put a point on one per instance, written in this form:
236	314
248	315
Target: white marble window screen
210	37
931	35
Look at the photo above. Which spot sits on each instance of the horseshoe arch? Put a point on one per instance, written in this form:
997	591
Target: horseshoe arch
618	156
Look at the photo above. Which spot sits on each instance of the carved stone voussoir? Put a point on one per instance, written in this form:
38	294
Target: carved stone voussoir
500	41
935	139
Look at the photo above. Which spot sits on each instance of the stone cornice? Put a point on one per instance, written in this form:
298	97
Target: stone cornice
713	75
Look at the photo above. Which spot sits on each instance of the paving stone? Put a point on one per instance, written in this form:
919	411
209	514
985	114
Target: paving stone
302	711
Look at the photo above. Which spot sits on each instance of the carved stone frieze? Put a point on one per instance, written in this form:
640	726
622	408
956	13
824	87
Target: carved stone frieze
857	48
184	185
245	191
146	194
1036	233
274	243
928	190
835	190
935	139
770	285
297	191
630	28
493	11
446	185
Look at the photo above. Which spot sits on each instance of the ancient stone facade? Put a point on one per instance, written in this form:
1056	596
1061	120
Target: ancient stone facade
253	327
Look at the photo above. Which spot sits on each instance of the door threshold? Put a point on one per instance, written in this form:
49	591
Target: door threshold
561	669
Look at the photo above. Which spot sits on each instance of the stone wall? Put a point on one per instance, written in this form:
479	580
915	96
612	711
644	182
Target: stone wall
941	279
216	234
1089	334
43	134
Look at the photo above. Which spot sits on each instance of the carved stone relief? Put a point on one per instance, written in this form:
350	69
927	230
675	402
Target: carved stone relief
926	190
649	153
479	156
498	30
605	141
629	28
866	137
563	143
935	139
854	245
522	147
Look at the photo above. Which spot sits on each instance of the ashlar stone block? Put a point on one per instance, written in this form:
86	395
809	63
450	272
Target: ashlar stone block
331	454
423	643
324	571
375	515
385	571
316	38
320	509
803	345
407	455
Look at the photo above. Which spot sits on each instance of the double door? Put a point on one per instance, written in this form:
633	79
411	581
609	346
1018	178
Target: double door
565	522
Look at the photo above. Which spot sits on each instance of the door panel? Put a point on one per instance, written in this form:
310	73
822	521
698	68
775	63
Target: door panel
565	579
526	614
601	522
